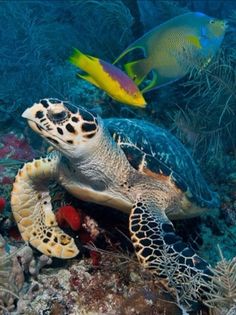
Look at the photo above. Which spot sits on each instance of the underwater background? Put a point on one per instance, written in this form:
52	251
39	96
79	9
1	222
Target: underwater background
37	38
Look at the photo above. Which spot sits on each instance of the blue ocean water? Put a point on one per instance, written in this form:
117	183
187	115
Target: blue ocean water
37	39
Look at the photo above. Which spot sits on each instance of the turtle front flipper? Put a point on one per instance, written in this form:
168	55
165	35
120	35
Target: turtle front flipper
32	209
160	250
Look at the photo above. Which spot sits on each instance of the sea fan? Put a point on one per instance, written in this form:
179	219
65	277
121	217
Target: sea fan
223	293
37	40
207	120
106	25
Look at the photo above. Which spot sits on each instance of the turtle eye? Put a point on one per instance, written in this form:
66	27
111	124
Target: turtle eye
58	117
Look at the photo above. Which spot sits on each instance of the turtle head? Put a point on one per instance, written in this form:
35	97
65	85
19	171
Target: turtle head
70	129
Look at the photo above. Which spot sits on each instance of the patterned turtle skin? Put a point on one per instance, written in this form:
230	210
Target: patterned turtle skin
156	152
129	165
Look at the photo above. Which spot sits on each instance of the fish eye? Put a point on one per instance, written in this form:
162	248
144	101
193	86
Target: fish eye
212	21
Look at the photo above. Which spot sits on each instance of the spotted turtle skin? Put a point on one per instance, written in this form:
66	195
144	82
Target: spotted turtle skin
156	149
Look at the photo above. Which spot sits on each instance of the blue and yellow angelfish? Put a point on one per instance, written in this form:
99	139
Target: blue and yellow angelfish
109	78
171	46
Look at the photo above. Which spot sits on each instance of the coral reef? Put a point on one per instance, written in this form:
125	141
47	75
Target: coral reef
200	109
125	290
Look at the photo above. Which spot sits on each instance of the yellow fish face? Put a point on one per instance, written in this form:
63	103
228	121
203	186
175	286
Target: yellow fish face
217	27
136	99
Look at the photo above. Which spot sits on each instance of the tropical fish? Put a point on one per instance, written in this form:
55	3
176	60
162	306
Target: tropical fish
109	78
170	48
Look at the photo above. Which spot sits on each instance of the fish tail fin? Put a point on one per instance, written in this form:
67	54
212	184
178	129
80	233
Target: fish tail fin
137	70
80	60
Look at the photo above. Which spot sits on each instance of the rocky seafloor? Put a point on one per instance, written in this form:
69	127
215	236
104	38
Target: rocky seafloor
117	285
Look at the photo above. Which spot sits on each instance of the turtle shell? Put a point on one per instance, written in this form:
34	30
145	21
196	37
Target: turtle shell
156	149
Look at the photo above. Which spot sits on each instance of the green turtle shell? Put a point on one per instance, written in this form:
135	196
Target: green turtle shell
161	153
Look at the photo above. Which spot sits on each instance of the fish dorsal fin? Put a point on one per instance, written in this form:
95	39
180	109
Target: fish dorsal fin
88	78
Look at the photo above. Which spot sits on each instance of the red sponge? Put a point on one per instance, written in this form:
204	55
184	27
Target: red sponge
68	214
2	204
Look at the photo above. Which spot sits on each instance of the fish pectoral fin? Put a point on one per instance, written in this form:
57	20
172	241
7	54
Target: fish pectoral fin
152	84
194	40
137	70
88	78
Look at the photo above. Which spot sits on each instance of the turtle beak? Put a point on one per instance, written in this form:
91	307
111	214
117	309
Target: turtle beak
27	114
30	114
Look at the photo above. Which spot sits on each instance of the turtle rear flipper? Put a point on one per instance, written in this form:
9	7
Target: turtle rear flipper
32	209
164	253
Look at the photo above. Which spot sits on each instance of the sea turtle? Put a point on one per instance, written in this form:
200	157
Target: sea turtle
127	164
